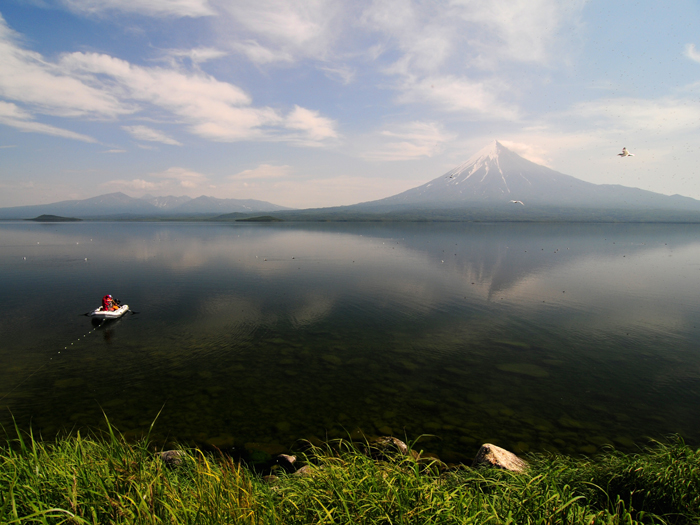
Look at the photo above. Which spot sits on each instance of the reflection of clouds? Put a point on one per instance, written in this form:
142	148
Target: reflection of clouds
637	286
261	273
311	308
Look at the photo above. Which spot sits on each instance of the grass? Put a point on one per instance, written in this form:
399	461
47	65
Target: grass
101	479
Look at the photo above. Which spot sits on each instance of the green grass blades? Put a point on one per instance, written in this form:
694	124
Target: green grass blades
103	479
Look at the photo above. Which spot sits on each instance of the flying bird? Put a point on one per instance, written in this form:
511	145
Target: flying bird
625	153
518	202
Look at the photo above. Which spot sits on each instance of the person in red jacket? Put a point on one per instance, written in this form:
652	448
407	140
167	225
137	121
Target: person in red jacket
109	304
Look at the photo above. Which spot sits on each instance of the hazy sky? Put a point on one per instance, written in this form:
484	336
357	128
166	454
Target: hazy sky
309	103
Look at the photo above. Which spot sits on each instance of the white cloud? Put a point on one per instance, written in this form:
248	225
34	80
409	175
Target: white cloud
532	152
459	94
692	53
259	54
313	129
115	151
150	134
11	115
197	55
520	30
302	27
173	179
264	171
28	78
170	8
412	141
183	176
666	115
215	110
341	73
450	56
134	184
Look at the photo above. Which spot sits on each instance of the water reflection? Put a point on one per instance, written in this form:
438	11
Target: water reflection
541	336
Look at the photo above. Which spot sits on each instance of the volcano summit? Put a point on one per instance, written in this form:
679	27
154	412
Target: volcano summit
496	175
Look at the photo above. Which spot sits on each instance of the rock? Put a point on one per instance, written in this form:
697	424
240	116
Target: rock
390	441
382	447
498	457
286	462
306	470
172	458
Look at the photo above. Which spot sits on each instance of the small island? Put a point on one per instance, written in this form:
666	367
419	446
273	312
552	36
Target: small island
53	218
264	218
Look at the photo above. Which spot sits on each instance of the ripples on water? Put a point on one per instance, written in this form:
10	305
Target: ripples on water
534	337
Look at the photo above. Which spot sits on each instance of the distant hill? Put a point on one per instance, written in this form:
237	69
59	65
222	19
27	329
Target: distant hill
54	218
121	206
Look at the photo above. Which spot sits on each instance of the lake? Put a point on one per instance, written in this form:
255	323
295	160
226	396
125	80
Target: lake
556	337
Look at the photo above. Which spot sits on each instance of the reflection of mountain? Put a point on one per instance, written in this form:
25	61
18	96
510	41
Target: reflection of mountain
503	255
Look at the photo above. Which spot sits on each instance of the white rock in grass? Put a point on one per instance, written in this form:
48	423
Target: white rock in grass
498	457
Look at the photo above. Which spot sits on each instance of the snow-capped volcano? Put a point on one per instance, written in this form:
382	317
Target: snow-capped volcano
496	175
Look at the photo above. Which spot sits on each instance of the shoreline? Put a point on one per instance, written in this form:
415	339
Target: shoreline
105	479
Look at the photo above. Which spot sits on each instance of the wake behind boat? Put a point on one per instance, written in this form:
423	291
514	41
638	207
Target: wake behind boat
101	313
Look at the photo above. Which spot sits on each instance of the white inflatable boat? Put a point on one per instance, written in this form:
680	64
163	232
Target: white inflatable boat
99	313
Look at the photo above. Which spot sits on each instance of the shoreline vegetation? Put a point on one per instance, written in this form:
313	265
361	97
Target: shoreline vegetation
102	478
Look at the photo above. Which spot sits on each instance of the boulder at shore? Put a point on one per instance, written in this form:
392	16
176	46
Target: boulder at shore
498	457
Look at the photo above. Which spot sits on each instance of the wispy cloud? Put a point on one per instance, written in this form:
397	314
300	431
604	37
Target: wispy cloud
173	179
169	8
531	152
11	115
197	55
284	28
47	88
134	184
411	141
459	94
260	54
311	128
692	53
665	115
183	176
150	134
95	85
213	109
264	171
342	73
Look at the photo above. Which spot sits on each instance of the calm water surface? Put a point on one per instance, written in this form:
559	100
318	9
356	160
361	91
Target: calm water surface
534	337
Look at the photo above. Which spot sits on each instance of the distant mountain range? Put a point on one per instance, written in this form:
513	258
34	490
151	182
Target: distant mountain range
119	205
495	184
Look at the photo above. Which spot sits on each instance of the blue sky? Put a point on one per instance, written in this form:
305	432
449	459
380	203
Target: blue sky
312	103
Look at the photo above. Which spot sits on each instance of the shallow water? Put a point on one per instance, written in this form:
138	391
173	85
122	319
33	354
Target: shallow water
535	337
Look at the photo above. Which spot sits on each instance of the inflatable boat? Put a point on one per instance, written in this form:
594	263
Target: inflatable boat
100	313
